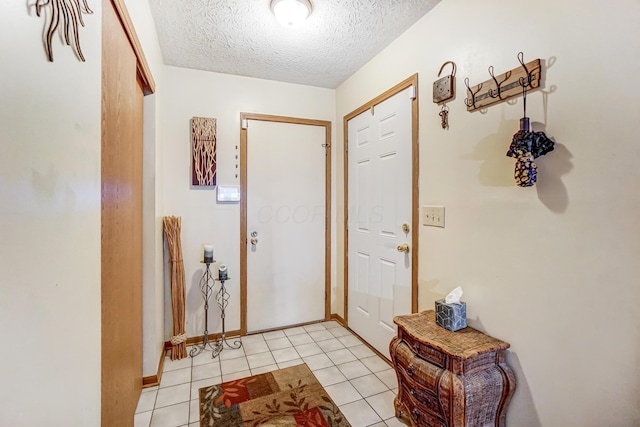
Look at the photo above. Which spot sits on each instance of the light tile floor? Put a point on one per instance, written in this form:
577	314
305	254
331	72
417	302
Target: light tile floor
361	383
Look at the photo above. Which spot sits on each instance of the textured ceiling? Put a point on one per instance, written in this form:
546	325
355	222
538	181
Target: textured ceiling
242	37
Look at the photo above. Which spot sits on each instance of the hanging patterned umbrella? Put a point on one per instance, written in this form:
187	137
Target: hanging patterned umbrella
527	146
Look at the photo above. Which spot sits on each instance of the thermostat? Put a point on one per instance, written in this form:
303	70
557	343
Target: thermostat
228	193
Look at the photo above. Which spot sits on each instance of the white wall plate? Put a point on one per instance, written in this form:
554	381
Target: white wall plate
228	193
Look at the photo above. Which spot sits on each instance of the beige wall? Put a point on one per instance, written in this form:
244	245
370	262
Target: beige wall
538	265
542	266
49	224
188	93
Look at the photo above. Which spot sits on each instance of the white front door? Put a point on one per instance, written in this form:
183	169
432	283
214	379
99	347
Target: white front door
380	188
285	224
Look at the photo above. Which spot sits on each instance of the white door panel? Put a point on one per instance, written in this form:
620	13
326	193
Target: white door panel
286	212
380	186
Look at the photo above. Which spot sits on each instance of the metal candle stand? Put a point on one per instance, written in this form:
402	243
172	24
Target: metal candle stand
222	298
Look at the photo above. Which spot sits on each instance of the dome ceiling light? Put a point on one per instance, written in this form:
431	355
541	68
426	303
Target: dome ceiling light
291	13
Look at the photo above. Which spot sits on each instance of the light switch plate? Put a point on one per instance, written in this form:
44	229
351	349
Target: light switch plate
433	216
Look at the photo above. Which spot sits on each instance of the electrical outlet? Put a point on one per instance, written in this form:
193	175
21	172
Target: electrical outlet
433	216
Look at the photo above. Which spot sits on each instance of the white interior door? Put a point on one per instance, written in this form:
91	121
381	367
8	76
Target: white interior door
380	203
285	195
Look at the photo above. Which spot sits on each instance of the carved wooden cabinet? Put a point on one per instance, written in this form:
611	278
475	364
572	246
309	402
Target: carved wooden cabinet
449	378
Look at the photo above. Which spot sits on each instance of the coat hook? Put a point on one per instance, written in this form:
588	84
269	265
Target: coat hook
524	83
471	103
497	93
493	93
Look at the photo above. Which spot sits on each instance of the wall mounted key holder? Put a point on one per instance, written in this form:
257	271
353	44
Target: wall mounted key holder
444	90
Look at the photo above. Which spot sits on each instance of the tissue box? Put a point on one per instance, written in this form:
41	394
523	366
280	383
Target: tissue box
451	316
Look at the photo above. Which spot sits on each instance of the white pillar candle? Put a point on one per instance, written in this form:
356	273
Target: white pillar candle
208	253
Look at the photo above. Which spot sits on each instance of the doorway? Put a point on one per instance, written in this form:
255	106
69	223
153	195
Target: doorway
285	225
381	247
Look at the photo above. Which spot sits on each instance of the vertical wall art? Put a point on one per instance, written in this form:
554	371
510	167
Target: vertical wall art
63	16
203	157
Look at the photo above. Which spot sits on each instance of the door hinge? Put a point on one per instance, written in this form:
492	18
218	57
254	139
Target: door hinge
245	123
412	92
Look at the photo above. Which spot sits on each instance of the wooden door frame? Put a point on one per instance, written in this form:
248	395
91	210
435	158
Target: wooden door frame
244	118
415	214
144	72
112	411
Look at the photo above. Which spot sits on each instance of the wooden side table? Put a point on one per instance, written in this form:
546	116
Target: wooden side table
449	379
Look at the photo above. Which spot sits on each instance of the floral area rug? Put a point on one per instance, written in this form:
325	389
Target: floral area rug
287	397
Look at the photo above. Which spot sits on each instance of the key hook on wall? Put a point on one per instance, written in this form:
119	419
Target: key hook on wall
444	90
453	72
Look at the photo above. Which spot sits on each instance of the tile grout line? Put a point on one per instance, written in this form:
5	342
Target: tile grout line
277	364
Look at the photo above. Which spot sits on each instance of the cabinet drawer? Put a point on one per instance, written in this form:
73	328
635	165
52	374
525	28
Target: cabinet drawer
421	418
429	354
417	370
420	397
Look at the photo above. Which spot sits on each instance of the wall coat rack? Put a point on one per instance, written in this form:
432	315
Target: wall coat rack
505	86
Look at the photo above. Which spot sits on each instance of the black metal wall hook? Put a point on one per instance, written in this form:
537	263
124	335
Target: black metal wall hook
471	103
524	82
497	92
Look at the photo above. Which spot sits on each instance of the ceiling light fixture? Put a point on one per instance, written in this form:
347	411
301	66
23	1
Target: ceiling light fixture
291	13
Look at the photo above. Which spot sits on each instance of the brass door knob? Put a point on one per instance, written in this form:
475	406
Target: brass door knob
404	248
254	241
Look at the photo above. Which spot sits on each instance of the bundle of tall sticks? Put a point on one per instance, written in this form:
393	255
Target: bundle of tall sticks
176	277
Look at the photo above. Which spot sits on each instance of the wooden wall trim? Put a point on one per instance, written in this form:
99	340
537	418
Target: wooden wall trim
415	202
199	339
327	248
144	71
154	380
243	225
339	319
